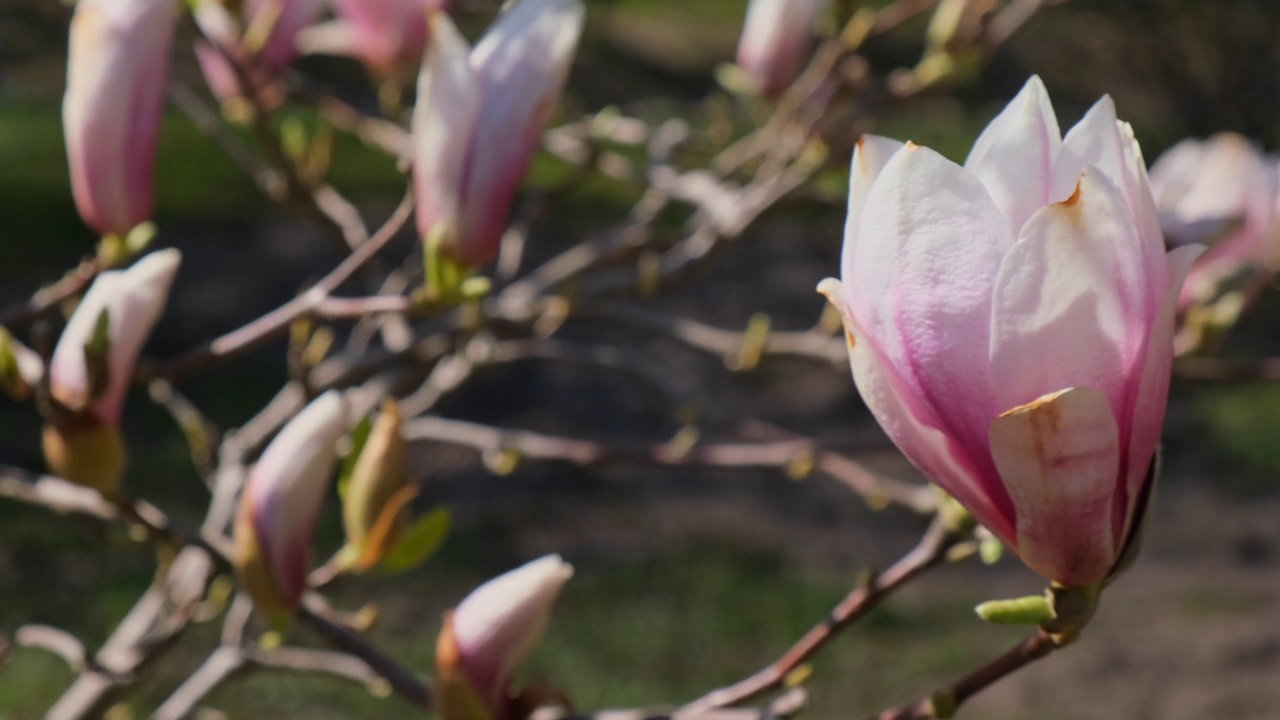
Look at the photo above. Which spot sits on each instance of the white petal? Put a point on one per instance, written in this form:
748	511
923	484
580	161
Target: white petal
869	158
921	283
1069	309
1014	155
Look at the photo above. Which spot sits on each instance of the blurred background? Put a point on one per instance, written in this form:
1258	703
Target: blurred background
685	580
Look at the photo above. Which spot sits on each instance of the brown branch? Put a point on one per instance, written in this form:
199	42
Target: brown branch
944	702
930	551
49	298
277	321
316	614
54	640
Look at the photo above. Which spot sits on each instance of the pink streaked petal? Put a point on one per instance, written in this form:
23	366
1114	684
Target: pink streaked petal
775	40
1069	309
520	65
869	158
1146	215
133	300
1059	456
912	425
1014	155
1151	390
443	122
287	487
921	283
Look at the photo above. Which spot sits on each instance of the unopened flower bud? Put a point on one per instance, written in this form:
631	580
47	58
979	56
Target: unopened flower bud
280	504
131	301
480	117
375	508
775	41
86	451
490	634
117	70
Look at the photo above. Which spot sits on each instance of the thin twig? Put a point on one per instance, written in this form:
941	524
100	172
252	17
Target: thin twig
930	551
1035	646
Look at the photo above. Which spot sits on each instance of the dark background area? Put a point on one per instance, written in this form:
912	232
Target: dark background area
684	579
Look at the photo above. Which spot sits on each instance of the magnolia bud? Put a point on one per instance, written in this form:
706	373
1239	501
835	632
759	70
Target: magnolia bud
775	41
480	117
86	451
117	68
374	509
132	301
490	634
280	504
385	35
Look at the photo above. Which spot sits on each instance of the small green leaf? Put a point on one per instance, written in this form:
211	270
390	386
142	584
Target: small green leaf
420	542
1031	610
359	437
97	355
990	549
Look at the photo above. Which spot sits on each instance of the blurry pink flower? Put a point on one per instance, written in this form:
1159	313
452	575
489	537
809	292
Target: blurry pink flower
280	505
1010	324
384	34
1222	192
491	633
117	69
480	117
775	41
264	42
133	300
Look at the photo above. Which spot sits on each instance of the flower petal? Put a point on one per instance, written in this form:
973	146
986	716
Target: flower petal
1152	387
869	158
913	426
443	123
1069	309
1014	155
1059	457
921	284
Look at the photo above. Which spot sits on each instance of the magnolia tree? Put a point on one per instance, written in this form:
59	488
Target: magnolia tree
1011	322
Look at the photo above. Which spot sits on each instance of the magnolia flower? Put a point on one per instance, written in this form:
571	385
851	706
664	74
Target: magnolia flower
117	69
1220	192
480	116
775	41
384	34
490	634
132	300
1010	325
280	504
265	43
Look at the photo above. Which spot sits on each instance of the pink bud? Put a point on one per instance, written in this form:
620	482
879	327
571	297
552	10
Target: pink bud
480	117
133	300
1220	192
492	632
280	505
384	34
117	69
775	41
264	43
1010	324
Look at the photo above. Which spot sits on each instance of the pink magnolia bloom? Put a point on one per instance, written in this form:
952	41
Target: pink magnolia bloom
117	69
280	20
384	34
1221	191
480	116
1010	324
133	300
492	632
280	505
775	41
